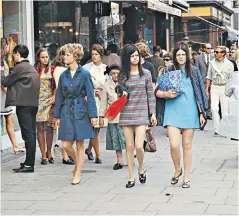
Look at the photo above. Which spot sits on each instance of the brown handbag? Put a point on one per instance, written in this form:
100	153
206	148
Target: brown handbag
149	143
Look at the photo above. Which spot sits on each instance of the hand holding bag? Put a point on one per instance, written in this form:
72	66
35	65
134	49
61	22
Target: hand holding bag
149	143
171	80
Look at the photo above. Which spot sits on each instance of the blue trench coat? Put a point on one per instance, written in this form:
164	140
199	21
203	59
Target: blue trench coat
75	105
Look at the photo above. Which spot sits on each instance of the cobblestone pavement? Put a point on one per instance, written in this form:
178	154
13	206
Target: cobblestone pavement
47	191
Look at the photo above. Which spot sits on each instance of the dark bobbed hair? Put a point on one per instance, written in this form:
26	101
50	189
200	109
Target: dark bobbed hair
112	48
182	46
126	53
22	50
156	48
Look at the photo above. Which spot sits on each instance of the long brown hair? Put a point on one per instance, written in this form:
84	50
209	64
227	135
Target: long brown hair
182	46
38	63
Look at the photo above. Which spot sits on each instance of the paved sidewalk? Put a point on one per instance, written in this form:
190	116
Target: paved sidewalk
47	191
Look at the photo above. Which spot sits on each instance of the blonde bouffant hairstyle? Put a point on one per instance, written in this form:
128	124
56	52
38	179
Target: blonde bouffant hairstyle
75	49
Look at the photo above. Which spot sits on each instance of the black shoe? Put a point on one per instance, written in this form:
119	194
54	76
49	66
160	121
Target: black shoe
234	139
216	134
22	164
69	161
24	169
142	178
117	166
130	184
43	161
209	117
98	161
51	160
89	155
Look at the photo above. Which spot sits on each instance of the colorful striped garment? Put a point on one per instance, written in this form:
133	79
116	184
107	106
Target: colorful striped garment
141	101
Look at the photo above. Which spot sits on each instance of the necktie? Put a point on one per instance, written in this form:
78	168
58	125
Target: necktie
207	59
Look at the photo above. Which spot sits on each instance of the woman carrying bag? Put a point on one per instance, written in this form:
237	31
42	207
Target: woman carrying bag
184	111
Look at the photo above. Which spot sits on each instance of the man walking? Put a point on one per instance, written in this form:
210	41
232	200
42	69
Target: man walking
23	92
156	60
219	72
202	62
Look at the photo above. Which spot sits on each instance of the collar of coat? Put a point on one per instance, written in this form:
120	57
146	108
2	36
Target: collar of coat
77	71
24	60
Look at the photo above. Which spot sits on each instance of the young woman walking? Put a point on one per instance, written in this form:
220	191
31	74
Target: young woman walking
75	108
184	113
139	110
44	118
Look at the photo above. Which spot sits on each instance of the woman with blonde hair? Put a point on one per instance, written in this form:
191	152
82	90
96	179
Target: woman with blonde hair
75	108
44	118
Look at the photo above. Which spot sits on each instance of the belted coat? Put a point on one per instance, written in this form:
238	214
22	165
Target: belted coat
75	105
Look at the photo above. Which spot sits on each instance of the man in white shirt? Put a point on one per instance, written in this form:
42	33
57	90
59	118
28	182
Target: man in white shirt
219	72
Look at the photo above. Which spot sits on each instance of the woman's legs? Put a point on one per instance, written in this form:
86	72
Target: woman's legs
79	160
139	141
95	143
119	156
11	132
41	138
174	139
129	138
67	145
187	152
49	140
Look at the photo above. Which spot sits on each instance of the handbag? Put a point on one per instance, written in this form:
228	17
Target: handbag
171	80
149	142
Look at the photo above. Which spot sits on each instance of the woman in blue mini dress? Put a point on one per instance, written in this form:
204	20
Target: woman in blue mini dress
184	112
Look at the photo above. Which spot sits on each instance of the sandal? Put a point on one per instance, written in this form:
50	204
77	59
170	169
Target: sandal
186	184
43	161
174	180
130	184
142	177
50	160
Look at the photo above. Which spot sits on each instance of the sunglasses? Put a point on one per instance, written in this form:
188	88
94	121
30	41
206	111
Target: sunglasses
216	52
167	59
208	48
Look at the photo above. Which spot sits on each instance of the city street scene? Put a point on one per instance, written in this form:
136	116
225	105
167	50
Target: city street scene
119	107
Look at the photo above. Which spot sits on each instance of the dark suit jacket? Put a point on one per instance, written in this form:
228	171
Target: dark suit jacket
157	61
202	65
23	85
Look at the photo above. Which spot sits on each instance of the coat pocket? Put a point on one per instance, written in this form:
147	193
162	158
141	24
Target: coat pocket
81	110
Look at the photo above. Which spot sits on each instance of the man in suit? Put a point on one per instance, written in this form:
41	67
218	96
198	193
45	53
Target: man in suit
202	62
156	60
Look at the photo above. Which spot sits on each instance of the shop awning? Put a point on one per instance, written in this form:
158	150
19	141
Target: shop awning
156	5
232	30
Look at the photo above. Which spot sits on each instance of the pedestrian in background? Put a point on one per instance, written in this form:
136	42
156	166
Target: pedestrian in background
184	113
219	71
139	109
111	58
25	81
168	59
60	68
228	126
202	62
156	60
75	108
45	119
96	69
114	135
194	57
7	112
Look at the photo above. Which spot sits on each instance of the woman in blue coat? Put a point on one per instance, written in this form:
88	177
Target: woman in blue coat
75	107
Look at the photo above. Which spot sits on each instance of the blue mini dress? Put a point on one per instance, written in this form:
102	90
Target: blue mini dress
182	111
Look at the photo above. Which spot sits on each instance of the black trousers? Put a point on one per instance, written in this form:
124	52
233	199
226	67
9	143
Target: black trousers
27	121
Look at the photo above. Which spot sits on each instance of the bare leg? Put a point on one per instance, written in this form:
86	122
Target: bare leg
49	141
129	138
187	152
119	156
95	143
41	138
174	139
11	132
67	145
79	160
139	141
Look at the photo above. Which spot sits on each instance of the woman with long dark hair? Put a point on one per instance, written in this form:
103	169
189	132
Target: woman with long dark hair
139	109
45	118
185	112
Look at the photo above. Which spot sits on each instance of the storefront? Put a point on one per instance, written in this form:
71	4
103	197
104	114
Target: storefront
16	25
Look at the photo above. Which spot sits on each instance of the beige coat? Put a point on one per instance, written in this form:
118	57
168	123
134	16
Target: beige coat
108	97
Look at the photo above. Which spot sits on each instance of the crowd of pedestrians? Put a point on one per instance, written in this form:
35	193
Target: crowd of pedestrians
71	96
